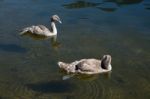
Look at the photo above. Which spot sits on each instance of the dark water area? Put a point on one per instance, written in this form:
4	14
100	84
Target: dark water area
89	29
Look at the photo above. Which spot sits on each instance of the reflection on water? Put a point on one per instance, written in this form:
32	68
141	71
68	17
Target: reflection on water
124	2
104	5
147	6
52	87
108	7
67	76
54	42
53	39
80	4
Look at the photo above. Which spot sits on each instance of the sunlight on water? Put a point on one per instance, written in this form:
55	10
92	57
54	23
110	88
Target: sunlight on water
90	29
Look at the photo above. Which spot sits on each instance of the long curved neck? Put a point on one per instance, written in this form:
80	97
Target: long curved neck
53	28
105	64
109	68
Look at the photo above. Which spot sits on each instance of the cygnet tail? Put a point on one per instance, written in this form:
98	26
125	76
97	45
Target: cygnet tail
62	65
25	30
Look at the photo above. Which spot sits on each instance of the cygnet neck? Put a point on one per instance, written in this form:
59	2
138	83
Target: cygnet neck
53	28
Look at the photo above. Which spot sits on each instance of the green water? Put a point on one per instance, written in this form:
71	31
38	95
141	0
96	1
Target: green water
90	29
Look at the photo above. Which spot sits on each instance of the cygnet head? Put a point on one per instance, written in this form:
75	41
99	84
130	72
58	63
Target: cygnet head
106	62
55	18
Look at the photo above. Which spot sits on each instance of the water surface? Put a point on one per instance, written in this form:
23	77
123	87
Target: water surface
90	29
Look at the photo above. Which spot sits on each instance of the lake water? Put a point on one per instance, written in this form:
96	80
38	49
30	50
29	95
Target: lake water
90	29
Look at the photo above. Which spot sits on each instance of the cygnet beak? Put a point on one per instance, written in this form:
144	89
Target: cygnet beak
60	22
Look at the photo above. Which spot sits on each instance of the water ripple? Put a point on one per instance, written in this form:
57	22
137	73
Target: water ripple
51	87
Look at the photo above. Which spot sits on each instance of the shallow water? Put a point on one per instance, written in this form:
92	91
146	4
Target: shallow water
90	29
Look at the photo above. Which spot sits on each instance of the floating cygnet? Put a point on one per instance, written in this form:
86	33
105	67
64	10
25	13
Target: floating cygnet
41	29
88	66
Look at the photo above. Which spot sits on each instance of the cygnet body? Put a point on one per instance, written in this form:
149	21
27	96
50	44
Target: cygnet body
41	29
88	66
